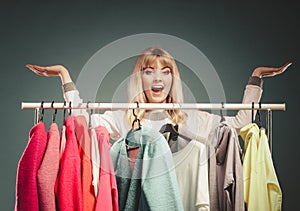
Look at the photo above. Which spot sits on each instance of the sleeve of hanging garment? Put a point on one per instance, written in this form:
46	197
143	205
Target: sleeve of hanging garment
267	174
26	178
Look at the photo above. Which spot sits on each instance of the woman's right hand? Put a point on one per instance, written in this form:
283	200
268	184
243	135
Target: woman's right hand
56	70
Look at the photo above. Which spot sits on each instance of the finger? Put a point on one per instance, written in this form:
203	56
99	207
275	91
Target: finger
30	67
269	74
284	67
36	70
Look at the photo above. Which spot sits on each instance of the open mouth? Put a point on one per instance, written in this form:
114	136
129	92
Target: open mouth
157	88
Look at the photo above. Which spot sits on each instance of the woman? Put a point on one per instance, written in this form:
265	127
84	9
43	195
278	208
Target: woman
156	79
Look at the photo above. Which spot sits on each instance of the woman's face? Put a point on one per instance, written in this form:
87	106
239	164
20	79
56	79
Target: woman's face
157	82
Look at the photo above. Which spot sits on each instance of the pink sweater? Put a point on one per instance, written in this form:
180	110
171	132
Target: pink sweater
69	190
107	198
82	134
48	170
26	182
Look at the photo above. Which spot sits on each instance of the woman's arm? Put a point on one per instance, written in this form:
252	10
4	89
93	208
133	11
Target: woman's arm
253	93
71	94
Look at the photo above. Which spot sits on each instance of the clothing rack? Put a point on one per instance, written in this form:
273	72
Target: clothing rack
169	106
153	106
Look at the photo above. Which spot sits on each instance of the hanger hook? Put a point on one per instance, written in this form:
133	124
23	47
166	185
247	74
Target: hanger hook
90	113
87	107
70	108
55	112
136	119
258	113
65	103
221	112
252	116
133	110
42	113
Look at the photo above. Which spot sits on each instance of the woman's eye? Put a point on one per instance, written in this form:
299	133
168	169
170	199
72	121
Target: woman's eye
166	72
148	71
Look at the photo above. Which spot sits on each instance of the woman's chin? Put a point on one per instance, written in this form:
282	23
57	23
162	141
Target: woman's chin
157	98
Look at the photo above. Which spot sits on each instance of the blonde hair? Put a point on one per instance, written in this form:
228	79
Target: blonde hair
135	87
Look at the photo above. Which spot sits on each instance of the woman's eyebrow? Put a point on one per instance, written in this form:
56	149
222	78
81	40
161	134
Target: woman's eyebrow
166	67
148	67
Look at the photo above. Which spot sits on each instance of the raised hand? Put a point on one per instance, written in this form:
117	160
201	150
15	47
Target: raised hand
270	71
55	70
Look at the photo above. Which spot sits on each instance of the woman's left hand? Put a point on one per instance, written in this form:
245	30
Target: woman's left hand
270	71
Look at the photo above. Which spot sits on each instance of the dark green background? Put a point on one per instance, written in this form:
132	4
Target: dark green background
236	37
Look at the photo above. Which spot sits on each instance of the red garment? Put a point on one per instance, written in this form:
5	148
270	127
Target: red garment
132	154
69	189
107	198
26	183
82	134
48	170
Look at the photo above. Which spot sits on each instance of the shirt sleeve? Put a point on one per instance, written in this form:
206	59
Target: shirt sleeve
252	93
255	80
110	120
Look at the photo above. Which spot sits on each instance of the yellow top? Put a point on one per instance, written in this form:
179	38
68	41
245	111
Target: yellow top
261	187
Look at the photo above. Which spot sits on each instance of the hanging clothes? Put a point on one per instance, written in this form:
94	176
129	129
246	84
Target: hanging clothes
68	183
26	179
48	170
107	198
152	185
84	147
192	176
212	143
191	173
262	190
229	170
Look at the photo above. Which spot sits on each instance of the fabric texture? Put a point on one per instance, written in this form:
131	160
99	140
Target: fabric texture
68	184
255	80
30	161
48	170
68	86
192	176
107	198
261	187
84	142
153	171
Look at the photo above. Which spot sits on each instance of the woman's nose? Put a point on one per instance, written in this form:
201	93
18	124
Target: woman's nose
157	76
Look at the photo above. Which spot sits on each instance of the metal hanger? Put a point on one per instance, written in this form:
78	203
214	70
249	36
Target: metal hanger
259	117
55	112
221	113
136	119
42	112
90	113
174	132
